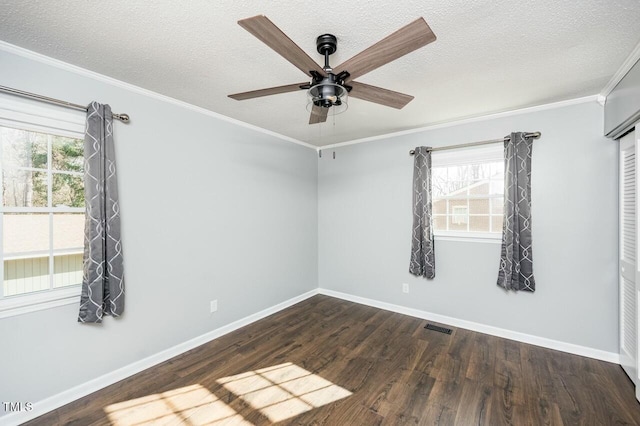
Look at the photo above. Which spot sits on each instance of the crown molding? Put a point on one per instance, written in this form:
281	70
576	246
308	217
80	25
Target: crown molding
554	105
34	56
631	60
600	98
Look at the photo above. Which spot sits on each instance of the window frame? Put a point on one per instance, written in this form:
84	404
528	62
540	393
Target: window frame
34	116
467	156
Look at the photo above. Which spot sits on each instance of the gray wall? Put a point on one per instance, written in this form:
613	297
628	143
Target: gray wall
365	230
210	210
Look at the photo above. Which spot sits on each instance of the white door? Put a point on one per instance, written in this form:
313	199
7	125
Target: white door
628	255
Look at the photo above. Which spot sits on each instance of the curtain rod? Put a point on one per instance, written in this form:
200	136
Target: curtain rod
534	135
122	117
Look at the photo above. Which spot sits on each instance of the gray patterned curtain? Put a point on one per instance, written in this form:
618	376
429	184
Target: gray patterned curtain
422	253
516	260
103	278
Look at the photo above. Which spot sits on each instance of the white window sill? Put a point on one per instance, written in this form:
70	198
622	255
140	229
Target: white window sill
469	237
22	304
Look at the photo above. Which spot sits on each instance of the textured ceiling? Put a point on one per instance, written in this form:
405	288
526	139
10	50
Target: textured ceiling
490	56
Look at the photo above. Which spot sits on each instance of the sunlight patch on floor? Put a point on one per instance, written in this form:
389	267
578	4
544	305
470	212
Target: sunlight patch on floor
193	405
283	391
278	393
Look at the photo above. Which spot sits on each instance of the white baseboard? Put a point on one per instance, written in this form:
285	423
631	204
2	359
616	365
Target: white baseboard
70	395
482	328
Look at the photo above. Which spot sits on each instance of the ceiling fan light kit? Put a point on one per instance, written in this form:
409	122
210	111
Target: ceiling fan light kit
330	89
327	95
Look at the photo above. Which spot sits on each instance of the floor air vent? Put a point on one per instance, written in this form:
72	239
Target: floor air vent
439	329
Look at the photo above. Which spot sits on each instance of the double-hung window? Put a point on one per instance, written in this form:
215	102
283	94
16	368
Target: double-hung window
42	209
468	192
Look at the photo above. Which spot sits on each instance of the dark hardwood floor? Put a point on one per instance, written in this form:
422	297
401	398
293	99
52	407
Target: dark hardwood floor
326	361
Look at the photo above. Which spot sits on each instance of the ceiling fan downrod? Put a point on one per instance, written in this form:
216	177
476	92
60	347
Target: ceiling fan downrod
326	45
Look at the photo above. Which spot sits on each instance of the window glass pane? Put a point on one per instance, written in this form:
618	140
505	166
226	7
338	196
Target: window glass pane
67	270
497	168
68	190
439	206
457	203
497	187
497	205
459	215
459	173
67	154
25	233
457	188
481	187
25	275
439	182
22	188
456	224
479	206
479	223
496	223
448	188
21	148
478	172
25	242
440	223
68	231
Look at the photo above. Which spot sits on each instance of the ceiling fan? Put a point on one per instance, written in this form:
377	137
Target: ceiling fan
329	86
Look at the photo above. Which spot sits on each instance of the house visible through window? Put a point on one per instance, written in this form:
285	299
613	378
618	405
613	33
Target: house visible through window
468	190
42	214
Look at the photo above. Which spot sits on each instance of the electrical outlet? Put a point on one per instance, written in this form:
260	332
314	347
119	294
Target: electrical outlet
214	305
405	288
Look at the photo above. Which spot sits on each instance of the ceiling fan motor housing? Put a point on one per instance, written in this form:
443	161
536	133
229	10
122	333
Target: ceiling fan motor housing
327	91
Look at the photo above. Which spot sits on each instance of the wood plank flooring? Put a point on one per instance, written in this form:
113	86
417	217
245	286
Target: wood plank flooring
326	361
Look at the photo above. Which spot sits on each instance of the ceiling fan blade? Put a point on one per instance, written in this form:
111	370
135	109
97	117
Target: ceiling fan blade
318	115
266	31
379	95
407	39
267	92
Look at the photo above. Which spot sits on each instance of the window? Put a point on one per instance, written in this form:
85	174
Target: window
468	192
460	215
42	207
